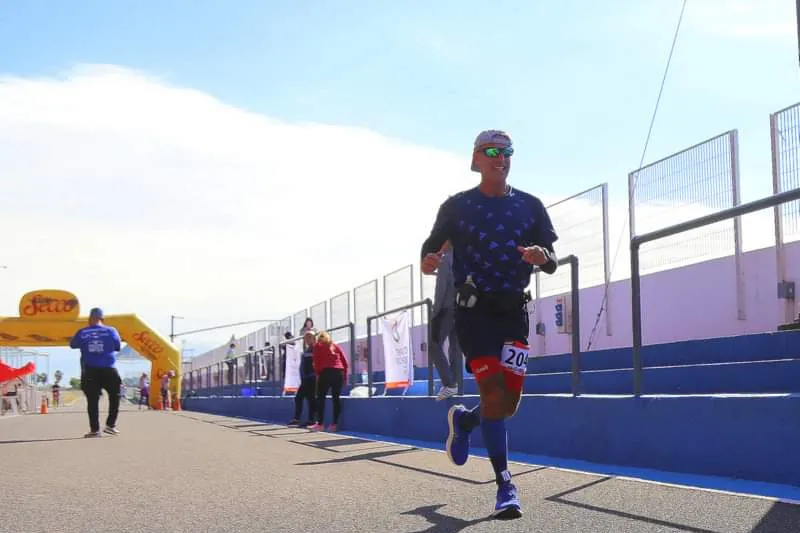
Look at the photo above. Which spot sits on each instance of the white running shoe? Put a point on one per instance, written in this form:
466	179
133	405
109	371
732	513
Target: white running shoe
446	392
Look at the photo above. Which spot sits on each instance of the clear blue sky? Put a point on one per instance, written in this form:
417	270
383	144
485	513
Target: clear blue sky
574	81
558	75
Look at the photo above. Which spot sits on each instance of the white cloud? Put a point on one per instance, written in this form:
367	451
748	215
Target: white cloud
151	198
145	197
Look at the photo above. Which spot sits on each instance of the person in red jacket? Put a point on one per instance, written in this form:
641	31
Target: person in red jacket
330	365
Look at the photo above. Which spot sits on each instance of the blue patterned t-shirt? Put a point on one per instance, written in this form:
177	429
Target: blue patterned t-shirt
485	232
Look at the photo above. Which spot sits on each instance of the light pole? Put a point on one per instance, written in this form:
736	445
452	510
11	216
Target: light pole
172	319
798	29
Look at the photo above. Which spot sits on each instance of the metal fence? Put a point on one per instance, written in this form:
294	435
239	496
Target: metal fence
427	289
27	399
340	313
581	222
298	319
319	314
664	233
394	289
275	332
340	309
398	288
784	129
261	372
697	181
365	303
286	326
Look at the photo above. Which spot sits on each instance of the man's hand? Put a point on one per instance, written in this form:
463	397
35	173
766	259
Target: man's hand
431	262
535	255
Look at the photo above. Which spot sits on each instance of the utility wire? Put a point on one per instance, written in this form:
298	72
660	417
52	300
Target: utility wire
604	302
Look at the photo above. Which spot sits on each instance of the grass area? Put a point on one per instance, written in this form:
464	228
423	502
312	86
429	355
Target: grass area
69	396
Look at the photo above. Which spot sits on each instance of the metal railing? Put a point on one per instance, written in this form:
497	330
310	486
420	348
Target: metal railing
689	192
638	240
275	362
429	305
281	354
351	347
575	302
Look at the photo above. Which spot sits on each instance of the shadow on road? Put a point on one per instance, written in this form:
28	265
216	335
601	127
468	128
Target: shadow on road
441	523
23	441
329	445
560	499
377	457
781	518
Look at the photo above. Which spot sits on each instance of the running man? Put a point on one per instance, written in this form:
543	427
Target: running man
99	345
498	233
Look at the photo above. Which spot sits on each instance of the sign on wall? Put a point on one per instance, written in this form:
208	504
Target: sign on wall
291	381
396	335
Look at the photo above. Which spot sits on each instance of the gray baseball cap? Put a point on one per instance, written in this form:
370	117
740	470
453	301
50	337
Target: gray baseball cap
490	137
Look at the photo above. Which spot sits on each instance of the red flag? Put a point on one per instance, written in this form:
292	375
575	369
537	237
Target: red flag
8	373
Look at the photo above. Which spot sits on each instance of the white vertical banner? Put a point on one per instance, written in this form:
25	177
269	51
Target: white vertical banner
396	335
291	381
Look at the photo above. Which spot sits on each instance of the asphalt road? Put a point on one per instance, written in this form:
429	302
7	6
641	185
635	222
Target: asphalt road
192	472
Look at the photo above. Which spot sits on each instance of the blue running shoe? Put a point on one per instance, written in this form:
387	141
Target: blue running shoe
507	506
457	445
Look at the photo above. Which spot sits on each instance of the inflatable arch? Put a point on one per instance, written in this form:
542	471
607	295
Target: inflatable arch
52	317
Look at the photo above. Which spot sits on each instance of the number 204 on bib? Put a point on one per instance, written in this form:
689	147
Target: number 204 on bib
515	357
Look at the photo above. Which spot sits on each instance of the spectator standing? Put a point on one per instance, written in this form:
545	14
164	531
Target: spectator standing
330	366
144	391
230	362
165	397
308	383
443	327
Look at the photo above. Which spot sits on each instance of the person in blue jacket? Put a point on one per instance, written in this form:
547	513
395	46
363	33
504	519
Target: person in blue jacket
99	345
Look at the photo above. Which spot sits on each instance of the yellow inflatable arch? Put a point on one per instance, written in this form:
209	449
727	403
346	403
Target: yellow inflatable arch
51	318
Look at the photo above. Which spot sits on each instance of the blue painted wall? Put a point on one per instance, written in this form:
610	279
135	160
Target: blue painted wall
762	363
753	438
757	347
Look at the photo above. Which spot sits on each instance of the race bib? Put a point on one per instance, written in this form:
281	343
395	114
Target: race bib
515	357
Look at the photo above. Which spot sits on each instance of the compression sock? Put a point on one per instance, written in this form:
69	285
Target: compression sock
496	441
471	418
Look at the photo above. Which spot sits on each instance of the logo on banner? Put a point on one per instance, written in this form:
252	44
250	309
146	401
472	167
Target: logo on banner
147	344
395	330
49	305
397	350
292	377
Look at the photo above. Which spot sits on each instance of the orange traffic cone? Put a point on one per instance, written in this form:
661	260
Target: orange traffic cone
43	408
